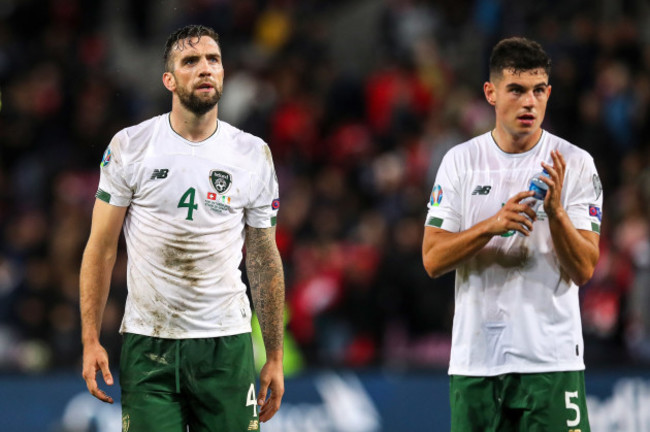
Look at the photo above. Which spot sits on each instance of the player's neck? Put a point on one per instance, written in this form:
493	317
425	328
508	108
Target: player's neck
511	143
193	127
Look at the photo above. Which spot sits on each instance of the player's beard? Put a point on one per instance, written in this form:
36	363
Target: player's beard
196	104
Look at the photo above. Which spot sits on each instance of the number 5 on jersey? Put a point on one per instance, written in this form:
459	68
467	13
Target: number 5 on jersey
574	407
187	200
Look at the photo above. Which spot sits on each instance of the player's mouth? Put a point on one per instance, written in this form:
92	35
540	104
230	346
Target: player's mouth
526	119
204	87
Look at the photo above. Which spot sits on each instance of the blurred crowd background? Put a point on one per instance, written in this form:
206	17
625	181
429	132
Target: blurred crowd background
358	100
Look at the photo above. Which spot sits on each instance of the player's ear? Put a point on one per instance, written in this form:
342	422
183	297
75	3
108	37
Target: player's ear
169	81
490	92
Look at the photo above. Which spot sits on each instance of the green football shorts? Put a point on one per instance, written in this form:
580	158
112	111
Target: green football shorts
534	402
206	384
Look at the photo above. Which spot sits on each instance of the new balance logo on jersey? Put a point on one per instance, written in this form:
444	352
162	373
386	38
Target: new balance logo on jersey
159	174
482	190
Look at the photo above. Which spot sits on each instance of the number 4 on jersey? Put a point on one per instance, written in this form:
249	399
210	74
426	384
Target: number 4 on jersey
187	200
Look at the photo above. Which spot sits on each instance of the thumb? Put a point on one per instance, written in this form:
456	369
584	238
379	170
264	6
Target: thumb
261	396
106	373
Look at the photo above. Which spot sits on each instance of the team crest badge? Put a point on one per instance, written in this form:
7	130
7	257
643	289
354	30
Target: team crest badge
221	180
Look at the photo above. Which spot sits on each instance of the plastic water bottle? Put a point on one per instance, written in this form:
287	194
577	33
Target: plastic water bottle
540	188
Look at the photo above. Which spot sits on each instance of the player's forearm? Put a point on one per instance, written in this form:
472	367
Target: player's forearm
266	278
443	251
94	280
576	254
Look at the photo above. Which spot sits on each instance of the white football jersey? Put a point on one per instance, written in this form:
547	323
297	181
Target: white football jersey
184	229
516	311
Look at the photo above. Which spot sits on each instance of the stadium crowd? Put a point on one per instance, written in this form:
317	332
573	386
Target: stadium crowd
358	101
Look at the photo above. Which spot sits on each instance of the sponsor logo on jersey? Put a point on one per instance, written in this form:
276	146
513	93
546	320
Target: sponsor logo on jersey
275	204
106	158
220	180
254	425
598	186
159	173
436	196
482	190
594	211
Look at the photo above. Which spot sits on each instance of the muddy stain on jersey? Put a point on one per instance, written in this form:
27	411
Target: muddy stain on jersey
158	315
180	260
521	258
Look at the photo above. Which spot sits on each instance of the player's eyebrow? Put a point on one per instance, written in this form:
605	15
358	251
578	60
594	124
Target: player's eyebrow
517	86
187	57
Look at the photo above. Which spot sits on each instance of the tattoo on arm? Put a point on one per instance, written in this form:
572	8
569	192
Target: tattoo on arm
266	277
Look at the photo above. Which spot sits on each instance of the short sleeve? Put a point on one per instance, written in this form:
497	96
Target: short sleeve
444	201
584	199
113	188
265	203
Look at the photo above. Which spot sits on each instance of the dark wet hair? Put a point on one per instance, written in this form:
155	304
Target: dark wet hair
189	34
519	55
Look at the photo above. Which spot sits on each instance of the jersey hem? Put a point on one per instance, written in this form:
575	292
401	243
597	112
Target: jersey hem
563	367
188	334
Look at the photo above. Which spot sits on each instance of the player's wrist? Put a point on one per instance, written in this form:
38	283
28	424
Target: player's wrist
89	340
488	228
275	355
557	213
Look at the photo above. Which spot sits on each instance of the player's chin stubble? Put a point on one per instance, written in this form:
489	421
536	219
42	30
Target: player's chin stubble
196	104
